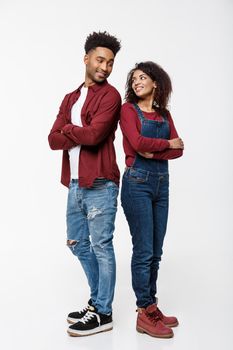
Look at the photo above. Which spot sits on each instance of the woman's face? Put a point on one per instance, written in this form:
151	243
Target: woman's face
142	85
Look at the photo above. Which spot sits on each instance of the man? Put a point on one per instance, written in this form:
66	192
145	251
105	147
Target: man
85	131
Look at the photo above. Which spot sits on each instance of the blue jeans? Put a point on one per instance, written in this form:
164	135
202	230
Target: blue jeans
144	199
90	224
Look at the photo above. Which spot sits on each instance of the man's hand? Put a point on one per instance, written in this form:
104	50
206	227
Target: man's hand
176	143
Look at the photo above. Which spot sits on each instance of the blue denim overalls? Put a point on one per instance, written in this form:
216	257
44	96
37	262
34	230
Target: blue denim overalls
144	198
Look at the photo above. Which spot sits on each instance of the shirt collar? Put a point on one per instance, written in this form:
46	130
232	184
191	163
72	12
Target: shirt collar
96	87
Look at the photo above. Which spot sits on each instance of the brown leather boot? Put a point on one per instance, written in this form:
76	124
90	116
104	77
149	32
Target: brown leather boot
149	322
169	321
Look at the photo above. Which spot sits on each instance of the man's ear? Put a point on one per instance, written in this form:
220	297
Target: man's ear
85	59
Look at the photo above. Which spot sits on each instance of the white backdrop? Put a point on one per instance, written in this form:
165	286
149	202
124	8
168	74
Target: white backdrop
41	60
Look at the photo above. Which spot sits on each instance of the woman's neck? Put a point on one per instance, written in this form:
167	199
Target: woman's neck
146	105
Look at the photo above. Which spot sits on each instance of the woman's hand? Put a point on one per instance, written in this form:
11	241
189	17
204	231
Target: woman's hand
176	143
146	154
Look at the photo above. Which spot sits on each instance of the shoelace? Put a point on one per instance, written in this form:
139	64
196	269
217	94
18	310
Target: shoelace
85	309
153	316
159	313
86	318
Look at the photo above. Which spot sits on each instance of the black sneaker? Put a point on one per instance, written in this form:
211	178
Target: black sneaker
93	322
75	316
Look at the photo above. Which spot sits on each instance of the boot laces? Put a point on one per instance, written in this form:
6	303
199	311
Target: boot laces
153	316
159	313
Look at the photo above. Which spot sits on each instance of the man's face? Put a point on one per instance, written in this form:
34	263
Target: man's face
99	64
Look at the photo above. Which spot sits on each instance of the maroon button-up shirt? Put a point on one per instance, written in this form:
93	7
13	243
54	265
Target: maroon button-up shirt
100	114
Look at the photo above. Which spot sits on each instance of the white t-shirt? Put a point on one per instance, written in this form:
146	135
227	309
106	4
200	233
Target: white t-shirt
76	120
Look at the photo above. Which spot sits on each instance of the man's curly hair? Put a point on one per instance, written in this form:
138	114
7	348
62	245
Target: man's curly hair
102	39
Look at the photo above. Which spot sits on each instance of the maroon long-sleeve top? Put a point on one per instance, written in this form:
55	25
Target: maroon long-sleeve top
100	114
134	142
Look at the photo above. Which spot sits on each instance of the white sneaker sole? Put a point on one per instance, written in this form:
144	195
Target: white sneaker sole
73	320
103	328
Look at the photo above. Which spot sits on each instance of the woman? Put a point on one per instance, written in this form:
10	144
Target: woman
150	140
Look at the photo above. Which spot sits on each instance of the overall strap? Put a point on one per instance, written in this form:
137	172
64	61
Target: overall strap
139	112
141	116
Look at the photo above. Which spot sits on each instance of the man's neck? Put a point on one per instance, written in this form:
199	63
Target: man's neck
88	82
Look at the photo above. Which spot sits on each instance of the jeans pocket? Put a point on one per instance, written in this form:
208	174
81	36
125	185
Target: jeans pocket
137	175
